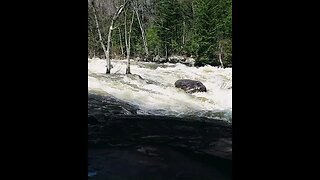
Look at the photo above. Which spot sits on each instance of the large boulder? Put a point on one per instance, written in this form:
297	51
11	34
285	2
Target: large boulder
190	86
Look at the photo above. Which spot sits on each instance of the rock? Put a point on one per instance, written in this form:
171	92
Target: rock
115	128
137	59
99	105
96	118
121	145
148	58
190	86
176	59
168	163
156	58
190	61
213	137
162	60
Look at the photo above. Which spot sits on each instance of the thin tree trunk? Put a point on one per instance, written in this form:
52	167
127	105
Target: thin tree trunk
92	50
166	51
184	31
220	54
125	31
120	42
98	28
128	50
115	16
142	31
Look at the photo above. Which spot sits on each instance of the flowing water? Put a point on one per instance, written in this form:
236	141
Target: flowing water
154	92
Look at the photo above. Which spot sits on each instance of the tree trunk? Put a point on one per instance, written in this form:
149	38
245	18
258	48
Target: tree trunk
128	48
126	33
142	31
184	31
98	28
220	54
115	16
122	53
166	51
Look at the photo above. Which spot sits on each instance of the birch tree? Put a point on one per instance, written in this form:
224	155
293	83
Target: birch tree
114	18
141	29
98	28
128	39
120	41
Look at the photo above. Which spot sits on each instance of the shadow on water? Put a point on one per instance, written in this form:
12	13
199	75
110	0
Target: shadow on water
124	145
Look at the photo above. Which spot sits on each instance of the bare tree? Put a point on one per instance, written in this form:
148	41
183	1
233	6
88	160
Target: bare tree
120	40
98	28
184	31
127	39
141	29
220	54
114	18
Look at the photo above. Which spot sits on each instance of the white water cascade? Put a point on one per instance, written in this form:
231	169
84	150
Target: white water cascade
155	92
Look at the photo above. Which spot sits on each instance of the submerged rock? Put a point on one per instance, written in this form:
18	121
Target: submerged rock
190	86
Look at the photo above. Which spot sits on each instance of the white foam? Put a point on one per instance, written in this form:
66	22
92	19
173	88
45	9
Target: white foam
160	96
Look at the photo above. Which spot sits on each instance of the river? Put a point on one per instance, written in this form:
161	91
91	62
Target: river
154	93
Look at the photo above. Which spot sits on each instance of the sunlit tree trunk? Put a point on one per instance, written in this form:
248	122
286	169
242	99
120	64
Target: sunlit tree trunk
142	30
115	16
128	44
98	28
120	40
220	54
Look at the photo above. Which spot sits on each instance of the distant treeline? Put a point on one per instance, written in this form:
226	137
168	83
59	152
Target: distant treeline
198	28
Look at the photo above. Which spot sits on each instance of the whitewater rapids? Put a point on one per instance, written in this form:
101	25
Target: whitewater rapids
155	92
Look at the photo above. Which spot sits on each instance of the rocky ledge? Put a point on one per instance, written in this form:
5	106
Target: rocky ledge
124	143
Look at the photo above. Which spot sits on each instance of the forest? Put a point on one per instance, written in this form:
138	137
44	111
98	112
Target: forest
146	29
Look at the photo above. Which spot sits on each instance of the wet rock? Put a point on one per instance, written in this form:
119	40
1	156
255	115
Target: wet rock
92	120
190	86
176	59
189	61
100	105
170	163
149	151
208	137
163	60
125	145
138	59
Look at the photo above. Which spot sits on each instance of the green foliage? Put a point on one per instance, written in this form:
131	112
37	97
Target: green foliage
199	28
212	25
226	45
153	40
168	25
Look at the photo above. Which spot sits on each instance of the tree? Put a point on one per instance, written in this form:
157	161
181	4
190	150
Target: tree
141	29
169	22
114	18
212	27
98	28
127	39
198	28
